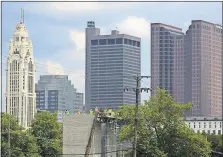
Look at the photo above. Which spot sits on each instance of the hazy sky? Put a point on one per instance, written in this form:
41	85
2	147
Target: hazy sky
57	29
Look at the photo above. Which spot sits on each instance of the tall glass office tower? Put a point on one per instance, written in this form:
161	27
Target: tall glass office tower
109	58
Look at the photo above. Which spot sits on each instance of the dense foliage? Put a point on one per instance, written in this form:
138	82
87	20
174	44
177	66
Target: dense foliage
22	144
42	139
161	129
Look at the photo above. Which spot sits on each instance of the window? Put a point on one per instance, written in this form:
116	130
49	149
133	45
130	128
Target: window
111	41
213	131
119	41
125	41
130	42
138	44
102	42
134	43
219	132
209	132
94	42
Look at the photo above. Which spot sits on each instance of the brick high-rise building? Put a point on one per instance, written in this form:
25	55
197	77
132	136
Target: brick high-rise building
204	61
167	56
189	66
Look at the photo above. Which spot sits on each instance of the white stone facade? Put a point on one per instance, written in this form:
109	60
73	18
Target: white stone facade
20	81
209	125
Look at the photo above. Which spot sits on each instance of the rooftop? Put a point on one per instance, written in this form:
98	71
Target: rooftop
168	26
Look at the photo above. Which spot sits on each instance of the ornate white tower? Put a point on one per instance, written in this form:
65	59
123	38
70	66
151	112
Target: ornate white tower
20	77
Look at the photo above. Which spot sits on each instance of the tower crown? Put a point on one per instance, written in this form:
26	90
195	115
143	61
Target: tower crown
21	32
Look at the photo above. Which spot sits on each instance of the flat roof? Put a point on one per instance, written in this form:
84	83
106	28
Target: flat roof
203	118
206	22
165	25
116	36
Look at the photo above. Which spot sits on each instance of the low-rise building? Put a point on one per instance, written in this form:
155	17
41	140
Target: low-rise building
209	125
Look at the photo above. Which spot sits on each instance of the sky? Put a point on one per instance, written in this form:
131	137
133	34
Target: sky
57	30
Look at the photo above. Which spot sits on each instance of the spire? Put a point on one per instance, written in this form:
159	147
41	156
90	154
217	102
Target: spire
22	16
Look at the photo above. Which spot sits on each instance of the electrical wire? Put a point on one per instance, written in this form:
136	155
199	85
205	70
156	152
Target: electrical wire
70	154
70	71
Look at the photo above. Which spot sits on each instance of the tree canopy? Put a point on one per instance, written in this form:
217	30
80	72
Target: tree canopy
161	130
22	144
44	138
47	131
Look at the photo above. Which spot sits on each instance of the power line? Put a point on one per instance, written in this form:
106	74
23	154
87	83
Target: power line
69	154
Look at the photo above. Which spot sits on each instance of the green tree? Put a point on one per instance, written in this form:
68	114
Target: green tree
46	128
22	144
161	129
216	141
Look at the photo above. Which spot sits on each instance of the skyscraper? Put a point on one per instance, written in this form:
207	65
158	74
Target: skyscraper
20	81
108	59
55	93
189	66
204	55
167	60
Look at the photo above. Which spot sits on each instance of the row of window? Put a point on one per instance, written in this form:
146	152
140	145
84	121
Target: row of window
209	132
115	41
215	28
204	125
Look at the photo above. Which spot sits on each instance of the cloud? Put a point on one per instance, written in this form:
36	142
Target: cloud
78	38
50	67
73	8
54	68
137	26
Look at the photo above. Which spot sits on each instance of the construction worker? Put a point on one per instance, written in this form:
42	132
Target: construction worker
97	110
105	112
113	114
109	112
78	111
91	112
67	112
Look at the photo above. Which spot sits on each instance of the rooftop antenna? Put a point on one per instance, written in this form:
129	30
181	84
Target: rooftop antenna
23	19
22	16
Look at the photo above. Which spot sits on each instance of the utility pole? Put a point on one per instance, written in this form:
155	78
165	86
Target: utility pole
9	138
137	90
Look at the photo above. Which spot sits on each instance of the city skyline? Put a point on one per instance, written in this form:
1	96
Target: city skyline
66	39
